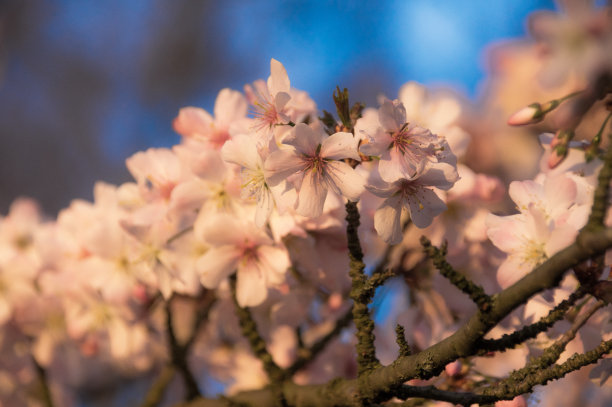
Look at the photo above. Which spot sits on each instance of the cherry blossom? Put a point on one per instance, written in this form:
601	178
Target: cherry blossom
416	195
404	149
315	162
241	247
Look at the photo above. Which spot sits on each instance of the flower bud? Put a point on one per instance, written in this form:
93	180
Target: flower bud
528	115
557	156
453	369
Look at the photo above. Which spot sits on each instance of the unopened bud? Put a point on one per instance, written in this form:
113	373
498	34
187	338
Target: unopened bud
528	115
453	369
559	147
557	156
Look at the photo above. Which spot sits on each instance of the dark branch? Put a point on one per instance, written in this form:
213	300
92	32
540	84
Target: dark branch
157	390
361	294
433	393
178	356
258	345
508	341
307	355
473	290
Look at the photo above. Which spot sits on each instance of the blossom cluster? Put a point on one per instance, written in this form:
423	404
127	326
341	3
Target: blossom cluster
250	204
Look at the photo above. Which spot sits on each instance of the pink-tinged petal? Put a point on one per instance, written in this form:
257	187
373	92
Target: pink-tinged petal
241	150
387	220
367	125
537	225
217	264
512	270
304	139
518	401
392	115
311	196
525	192
443	113
376	143
383	189
278	80
440	175
339	146
560	239
265	204
280	101
425	205
390	166
251	287
230	106
506	232
560	192
221	230
281	164
578	216
191	121
412	95
344	180
275	262
189	195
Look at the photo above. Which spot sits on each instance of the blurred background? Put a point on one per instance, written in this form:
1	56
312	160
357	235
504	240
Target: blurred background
84	85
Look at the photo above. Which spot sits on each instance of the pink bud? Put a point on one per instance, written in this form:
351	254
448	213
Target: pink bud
518	401
528	115
335	301
453	369
555	158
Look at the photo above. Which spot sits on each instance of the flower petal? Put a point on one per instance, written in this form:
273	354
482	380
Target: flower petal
345	180
387	220
280	164
304	139
278	80
424	206
251	288
311	196
230	105
217	264
339	146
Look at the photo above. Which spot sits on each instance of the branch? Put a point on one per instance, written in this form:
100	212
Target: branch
178	356
258	345
433	393
473	290
45	391
156	392
552	353
508	341
554	372
361	293
602	192
307	355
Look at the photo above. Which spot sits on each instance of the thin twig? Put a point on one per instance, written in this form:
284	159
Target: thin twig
258	345
508	341
309	354
178	355
43	382
156	392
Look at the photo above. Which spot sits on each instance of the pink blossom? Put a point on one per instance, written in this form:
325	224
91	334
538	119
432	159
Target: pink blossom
242	246
416	195
552	212
197	124
269	99
404	149
314	160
